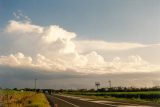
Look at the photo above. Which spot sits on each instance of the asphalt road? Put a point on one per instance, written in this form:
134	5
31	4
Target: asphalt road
52	100
69	102
64	101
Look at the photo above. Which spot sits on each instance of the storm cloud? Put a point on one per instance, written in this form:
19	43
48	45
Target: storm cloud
59	59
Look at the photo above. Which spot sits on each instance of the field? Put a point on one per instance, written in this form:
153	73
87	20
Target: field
23	99
146	96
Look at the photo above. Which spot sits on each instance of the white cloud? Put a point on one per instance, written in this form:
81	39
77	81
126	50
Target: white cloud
86	45
22	27
94	59
55	49
16	16
15	60
55	33
20	16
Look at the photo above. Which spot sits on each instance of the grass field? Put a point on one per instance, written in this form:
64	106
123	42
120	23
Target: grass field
146	96
23	99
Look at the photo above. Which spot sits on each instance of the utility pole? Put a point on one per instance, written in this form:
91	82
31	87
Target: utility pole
109	83
35	83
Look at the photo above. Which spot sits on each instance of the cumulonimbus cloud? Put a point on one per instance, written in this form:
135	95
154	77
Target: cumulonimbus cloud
55	49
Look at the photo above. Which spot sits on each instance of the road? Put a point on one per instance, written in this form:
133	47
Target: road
68	101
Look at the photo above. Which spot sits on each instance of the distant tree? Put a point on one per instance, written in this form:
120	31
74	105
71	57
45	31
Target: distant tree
15	89
102	90
91	90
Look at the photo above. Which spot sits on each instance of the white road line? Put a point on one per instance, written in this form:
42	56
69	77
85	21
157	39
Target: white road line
67	102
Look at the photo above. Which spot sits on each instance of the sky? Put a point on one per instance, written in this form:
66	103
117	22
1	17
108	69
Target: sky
73	44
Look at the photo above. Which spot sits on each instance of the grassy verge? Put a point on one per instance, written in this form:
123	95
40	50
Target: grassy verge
38	100
23	99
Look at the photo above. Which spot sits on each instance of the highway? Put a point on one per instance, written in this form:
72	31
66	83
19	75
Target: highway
68	101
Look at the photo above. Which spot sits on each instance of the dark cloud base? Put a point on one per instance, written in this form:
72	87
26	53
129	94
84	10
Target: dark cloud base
11	77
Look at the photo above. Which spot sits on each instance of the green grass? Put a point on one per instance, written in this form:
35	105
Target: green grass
21	99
